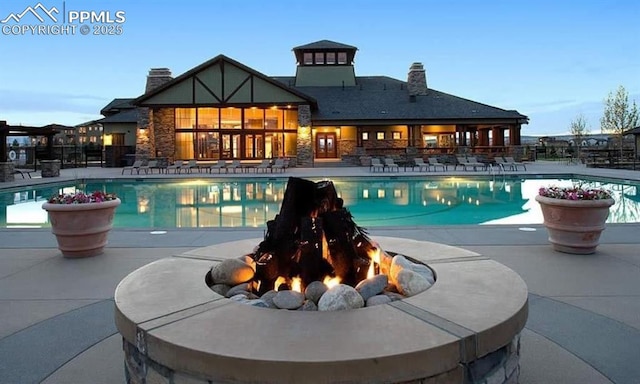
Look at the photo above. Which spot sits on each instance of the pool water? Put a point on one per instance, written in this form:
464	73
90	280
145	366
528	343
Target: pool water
383	202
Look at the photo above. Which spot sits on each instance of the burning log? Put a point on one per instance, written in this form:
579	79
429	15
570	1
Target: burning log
312	237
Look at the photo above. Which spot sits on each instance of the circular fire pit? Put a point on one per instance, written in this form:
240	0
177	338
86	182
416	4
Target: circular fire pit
465	327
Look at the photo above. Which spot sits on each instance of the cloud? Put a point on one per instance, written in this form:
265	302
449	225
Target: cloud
16	100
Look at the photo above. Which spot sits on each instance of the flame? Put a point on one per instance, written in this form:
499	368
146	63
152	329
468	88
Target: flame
374	255
296	284
331	282
279	280
325	247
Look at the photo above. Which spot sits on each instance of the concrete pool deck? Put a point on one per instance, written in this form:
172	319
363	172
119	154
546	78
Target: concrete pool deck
57	320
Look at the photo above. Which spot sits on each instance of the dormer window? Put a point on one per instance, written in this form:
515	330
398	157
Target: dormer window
342	57
331	58
308	58
319	57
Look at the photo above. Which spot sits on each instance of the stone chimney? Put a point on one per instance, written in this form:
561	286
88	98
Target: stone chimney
417	80
157	77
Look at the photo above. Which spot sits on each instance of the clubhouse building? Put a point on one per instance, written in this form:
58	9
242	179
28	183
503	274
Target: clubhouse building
223	109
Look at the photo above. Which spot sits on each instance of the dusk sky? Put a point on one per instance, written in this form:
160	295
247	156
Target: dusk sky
550	60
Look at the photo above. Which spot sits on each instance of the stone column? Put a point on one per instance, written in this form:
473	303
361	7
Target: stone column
145	135
6	171
304	144
50	168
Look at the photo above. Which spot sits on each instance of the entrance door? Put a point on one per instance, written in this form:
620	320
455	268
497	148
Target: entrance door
326	145
230	146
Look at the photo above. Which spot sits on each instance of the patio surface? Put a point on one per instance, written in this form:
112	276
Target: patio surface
56	314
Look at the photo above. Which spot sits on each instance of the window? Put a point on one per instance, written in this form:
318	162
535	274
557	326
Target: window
319	57
185	118
254	118
290	119
396	135
230	118
380	135
365	135
342	57
331	57
273	118
308	58
208	118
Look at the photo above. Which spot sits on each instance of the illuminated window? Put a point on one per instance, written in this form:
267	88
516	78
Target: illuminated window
273	118
230	118
185	118
380	135
396	135
208	118
365	135
290	119
254	118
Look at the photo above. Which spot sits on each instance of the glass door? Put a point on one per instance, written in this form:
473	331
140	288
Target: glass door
326	145
230	146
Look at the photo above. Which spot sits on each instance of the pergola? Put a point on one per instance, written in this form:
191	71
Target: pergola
20	130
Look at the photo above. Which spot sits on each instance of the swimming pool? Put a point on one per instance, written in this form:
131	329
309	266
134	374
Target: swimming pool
380	202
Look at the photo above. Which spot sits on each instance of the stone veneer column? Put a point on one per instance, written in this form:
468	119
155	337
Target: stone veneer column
6	171
146	146
304	142
164	132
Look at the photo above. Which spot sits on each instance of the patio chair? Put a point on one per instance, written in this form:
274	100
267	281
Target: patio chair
389	163
175	166
419	162
220	165
235	165
510	160
135	166
148	167
278	165
376	164
266	164
473	162
190	165
503	163
433	162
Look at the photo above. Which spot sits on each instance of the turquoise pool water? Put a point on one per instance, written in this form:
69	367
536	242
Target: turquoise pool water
383	202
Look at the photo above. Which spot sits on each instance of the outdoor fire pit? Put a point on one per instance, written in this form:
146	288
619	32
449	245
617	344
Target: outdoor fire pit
463	329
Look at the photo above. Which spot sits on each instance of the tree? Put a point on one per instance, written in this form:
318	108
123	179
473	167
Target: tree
619	116
579	129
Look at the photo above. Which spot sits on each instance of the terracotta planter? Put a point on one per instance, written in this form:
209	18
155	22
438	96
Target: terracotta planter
81	229
574	226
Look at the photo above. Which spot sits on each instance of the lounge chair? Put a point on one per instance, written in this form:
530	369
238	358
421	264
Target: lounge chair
419	162
376	164
22	173
235	165
266	164
433	162
148	167
220	165
512	162
175	166
391	165
190	165
500	161
473	162
278	165
135	166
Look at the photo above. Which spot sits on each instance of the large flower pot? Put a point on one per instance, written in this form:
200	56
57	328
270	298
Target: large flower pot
81	229
574	226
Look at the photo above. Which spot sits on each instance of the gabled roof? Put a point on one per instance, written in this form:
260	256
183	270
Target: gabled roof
324	44
387	99
633	131
215	61
116	105
126	116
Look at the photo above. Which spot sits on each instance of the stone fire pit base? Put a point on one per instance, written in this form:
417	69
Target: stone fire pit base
464	329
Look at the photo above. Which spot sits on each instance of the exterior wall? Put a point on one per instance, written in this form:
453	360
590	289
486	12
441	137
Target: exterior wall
129	130
164	132
144	135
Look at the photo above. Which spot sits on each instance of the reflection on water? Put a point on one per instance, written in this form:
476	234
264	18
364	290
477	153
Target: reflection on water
373	203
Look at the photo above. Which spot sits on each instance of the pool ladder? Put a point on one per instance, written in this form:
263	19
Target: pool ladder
498	169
